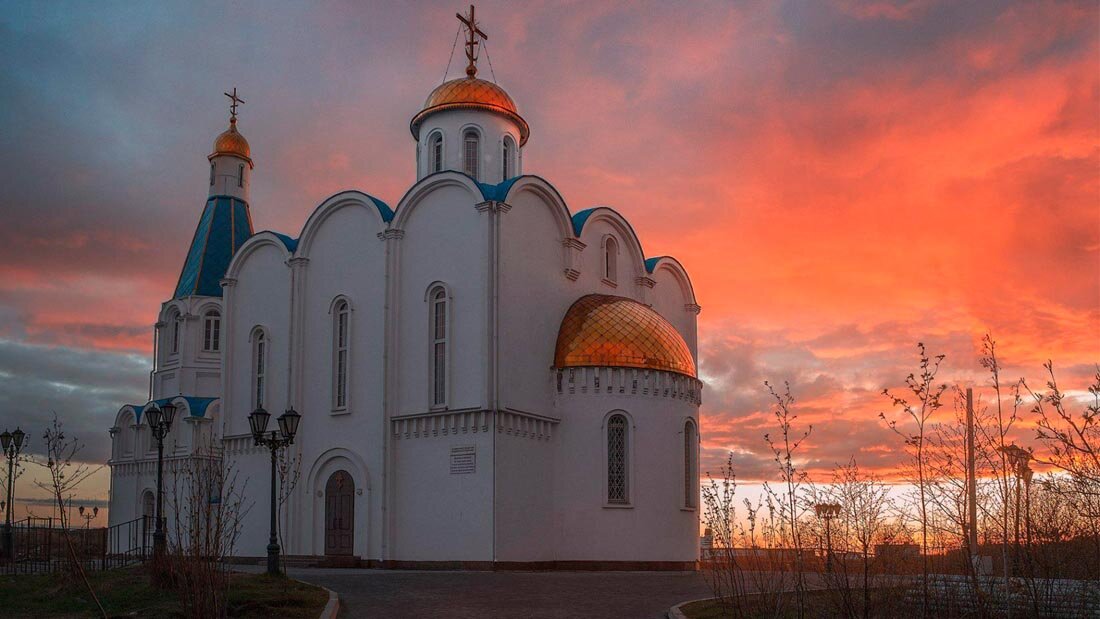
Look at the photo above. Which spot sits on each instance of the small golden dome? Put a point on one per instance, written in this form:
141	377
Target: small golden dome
231	142
608	331
471	93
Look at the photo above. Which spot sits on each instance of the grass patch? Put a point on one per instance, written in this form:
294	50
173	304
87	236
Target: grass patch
129	593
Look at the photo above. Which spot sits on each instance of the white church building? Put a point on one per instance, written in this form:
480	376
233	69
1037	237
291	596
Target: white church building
486	379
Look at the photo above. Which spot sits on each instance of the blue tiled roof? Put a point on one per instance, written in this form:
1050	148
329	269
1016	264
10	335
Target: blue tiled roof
196	405
651	263
289	243
579	218
383	209
498	192
224	226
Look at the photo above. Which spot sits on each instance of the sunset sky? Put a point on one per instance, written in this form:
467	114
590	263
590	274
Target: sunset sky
841	179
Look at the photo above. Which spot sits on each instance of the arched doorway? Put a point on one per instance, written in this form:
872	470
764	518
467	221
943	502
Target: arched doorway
339	514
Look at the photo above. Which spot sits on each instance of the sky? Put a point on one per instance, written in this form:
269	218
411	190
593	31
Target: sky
841	179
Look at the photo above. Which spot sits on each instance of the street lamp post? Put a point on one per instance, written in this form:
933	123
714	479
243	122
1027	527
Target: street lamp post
828	511
288	427
160	422
88	515
12	443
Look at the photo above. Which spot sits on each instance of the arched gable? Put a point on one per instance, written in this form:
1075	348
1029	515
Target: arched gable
618	223
380	213
416	194
540	187
668	264
254	243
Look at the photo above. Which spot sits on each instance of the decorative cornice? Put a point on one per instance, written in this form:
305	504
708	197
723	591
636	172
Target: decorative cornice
648	282
573	243
298	261
391	233
492	206
572	274
693	308
228	282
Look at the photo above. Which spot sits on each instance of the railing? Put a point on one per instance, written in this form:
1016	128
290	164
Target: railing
40	545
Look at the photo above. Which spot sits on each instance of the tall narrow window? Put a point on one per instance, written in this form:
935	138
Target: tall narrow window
174	337
509	166
259	367
211	331
436	152
211	174
610	260
616	460
470	152
691	443
340	355
240	175
439	346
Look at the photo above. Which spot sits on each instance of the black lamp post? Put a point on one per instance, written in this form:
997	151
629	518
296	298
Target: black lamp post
288	427
160	422
12	442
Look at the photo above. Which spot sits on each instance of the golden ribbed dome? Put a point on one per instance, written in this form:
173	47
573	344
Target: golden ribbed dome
604	330
231	142
470	92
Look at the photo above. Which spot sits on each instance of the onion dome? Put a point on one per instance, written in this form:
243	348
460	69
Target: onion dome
471	93
231	142
608	331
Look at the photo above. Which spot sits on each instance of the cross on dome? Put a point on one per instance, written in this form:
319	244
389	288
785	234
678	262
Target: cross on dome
473	32
233	107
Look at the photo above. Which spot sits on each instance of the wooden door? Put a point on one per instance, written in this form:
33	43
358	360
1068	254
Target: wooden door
339	514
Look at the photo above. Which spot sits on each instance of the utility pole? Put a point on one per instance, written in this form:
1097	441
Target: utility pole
971	477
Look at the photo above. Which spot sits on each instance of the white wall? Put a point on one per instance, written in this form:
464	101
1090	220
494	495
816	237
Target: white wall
453	124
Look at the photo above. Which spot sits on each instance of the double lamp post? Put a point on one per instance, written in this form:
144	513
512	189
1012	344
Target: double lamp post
288	427
160	422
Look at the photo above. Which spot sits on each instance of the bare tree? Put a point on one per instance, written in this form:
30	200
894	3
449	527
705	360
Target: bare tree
289	470
66	473
927	395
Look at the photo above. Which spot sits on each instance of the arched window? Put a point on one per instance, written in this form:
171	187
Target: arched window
439	333
509	166
126	436
211	174
211	331
617	477
691	446
435	152
340	317
610	260
471	152
240	175
259	367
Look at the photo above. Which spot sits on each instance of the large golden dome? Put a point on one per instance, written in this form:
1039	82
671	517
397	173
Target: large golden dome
231	142
470	93
604	330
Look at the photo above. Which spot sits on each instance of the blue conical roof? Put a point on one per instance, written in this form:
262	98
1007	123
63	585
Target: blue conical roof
224	226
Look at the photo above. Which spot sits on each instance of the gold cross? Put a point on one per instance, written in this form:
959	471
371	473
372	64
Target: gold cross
233	108
472	40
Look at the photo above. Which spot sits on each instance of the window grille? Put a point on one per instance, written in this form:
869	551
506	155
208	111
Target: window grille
690	442
211	332
616	460
437	153
340	356
470	159
259	368
439	347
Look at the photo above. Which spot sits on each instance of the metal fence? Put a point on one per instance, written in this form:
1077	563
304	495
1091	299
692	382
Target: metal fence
41	545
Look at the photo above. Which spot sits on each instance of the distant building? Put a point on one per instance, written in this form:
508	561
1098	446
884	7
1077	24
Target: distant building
897	551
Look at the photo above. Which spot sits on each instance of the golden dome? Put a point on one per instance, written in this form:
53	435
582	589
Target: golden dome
471	93
603	330
231	142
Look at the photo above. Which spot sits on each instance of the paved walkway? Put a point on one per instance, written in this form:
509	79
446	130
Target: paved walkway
482	595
